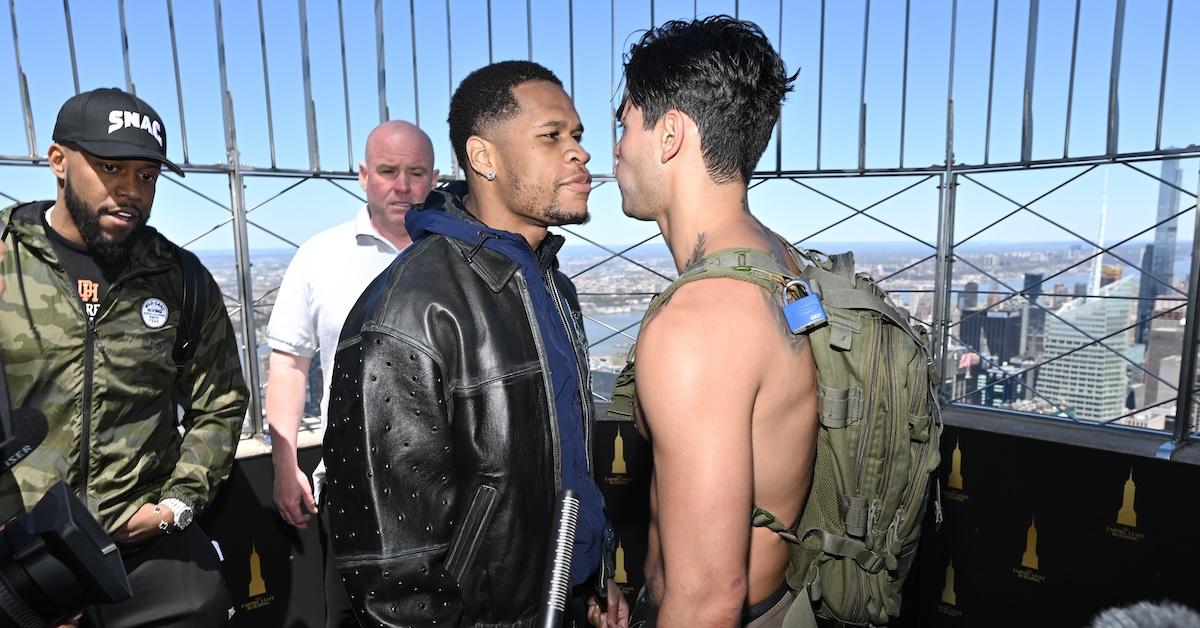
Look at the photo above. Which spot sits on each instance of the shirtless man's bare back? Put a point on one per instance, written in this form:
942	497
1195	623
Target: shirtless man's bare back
726	394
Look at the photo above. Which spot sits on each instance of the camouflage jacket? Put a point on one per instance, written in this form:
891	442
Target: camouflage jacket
110	389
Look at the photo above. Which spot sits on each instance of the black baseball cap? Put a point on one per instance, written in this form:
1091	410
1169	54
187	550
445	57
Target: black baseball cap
113	124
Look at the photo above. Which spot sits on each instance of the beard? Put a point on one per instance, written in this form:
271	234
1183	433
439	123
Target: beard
87	220
535	201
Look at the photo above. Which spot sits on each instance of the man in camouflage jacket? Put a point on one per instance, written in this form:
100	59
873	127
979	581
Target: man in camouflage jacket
88	324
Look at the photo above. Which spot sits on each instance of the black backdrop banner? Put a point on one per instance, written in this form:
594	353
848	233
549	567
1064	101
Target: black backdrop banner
1035	533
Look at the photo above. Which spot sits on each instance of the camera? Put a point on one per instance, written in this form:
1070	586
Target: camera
54	561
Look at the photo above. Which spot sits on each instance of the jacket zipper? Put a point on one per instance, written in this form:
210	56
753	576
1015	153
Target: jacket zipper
85	445
868	412
89	359
584	401
541	349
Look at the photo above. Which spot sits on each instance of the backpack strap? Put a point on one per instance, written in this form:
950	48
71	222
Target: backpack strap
187	335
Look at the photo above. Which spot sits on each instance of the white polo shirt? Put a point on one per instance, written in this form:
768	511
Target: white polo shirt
324	280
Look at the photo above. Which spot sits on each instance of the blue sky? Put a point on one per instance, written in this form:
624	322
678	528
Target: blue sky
601	33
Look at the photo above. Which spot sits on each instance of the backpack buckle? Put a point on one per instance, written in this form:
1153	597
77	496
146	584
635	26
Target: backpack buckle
805	313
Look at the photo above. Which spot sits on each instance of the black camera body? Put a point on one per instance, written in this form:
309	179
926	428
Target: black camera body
55	560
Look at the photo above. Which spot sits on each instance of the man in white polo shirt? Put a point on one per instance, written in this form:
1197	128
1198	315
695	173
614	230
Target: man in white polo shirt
322	283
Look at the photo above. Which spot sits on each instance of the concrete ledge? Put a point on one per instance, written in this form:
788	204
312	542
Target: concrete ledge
1116	439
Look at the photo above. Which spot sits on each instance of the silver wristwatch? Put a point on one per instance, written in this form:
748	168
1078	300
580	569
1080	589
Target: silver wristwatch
183	513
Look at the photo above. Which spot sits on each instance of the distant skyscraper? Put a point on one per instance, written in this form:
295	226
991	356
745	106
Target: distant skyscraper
970	297
1164	340
1147	291
1092	381
1034	319
994	332
1164	234
1159	259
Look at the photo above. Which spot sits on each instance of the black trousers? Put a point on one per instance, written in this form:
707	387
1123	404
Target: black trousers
338	611
176	581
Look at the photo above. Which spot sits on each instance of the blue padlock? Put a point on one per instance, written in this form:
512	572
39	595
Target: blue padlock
806	313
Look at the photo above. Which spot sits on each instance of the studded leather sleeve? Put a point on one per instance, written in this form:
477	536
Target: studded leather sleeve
390	486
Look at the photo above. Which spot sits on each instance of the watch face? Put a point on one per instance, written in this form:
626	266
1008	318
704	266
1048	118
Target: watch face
184	518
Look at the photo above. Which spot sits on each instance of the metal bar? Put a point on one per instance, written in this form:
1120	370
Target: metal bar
903	80
179	82
950	90
612	72
71	43
380	62
1071	83
866	215
820	82
1114	80
1187	366
241	239
571	45
779	122
449	53
125	46
412	25
1162	82
857	212
615	254
1081	262
1074	234
489	27
987	134
1020	206
1030	68
343	188
345	86
310	107
1170	184
528	30
262	45
862	92
237	194
22	83
943	274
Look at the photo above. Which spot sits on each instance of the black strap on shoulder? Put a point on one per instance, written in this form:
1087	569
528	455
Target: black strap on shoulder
187	335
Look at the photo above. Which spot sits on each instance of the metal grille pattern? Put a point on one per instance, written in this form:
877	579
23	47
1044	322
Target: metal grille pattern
826	175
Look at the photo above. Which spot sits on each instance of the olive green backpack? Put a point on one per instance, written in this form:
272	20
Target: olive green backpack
877	444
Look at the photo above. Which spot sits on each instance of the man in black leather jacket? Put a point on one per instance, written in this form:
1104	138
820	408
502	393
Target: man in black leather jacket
460	403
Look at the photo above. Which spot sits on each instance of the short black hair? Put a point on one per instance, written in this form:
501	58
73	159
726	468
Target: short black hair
721	72
485	97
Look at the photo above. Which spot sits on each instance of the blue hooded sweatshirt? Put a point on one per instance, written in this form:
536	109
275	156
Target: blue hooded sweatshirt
565	369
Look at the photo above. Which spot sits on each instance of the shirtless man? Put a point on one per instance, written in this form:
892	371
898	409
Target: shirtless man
726	394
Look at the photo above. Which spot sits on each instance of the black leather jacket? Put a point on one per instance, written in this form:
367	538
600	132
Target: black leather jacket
442	445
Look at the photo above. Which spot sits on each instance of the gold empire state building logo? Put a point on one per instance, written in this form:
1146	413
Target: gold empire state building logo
956	478
1030	558
621	576
1127	516
948	595
618	462
257	585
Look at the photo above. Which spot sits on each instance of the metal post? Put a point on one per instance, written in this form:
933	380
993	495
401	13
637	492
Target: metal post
22	84
412	25
1187	363
1114	80
345	87
310	107
241	239
944	275
862	92
237	196
262	45
380	62
125	47
71	44
1030	63
183	141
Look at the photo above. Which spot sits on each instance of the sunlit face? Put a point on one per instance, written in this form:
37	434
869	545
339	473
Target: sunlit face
108	199
541	165
635	166
398	173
